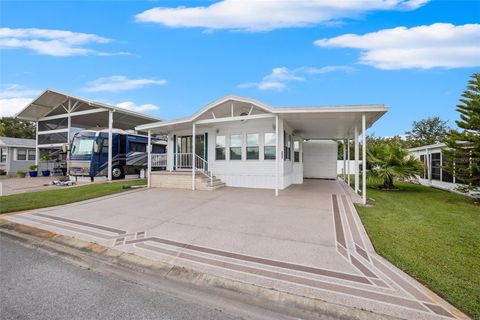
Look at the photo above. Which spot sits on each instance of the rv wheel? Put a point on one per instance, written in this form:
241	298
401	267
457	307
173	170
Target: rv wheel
117	173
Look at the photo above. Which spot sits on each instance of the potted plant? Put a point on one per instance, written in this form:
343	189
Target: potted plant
33	170
21	173
46	158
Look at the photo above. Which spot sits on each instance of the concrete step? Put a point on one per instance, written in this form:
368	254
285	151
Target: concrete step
183	180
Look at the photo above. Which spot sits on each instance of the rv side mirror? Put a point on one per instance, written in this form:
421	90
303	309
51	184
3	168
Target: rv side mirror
64	148
96	149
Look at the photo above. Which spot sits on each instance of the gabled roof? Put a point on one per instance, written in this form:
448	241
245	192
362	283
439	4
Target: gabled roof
332	122
51	99
17	142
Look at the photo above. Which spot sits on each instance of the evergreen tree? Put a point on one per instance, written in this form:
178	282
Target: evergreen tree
463	153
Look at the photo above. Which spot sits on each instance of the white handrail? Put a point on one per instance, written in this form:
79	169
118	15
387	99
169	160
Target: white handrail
202	165
183	161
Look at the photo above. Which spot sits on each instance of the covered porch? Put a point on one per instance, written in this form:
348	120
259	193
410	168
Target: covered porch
246	143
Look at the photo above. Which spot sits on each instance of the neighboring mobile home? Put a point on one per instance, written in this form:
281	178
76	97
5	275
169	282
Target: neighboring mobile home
247	143
433	173
16	154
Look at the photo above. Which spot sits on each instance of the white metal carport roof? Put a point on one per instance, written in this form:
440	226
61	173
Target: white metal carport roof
51	104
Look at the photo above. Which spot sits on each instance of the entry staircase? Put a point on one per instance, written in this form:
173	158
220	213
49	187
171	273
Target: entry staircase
181	178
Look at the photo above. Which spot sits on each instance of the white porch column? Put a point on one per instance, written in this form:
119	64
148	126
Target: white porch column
277	155
356	160
69	126
364	160
110	144
149	159
170	153
348	161
193	156
344	160
37	150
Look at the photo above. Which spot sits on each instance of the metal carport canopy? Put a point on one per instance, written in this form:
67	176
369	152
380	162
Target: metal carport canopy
330	122
53	104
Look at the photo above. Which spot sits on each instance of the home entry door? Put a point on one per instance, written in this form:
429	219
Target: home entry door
184	150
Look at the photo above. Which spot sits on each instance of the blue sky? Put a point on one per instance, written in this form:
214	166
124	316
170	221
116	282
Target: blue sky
171	61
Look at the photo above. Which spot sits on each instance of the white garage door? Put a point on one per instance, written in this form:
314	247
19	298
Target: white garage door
320	159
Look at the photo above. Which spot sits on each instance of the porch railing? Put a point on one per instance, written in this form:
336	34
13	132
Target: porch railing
183	161
159	160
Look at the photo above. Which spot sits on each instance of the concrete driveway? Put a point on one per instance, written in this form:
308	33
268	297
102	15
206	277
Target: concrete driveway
309	241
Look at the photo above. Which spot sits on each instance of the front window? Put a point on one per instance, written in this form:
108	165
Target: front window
21	154
269	150
235	147
253	147
220	144
296	151
82	146
31	155
3	155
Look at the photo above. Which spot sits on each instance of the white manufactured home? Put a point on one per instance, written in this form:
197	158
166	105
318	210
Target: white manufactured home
433	173
243	142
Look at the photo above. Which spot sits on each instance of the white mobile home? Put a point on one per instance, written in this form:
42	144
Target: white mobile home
433	173
246	143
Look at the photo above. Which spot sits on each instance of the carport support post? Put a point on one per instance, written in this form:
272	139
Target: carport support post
344	160
364	160
348	161
37	150
277	155
356	160
110	144
149	159
193	156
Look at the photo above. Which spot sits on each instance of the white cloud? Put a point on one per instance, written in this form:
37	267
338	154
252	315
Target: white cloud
11	106
437	45
280	77
17	91
52	42
13	98
129	105
265	15
119	83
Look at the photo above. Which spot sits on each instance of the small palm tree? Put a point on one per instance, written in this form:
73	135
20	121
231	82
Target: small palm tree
389	162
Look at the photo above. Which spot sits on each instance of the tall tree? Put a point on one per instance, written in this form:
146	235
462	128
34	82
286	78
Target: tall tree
15	128
463	153
427	131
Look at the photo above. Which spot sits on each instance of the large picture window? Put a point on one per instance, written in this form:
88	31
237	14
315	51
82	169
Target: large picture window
253	146
220	144
235	147
269	149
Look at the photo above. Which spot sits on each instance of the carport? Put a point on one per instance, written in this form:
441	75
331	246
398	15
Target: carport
58	116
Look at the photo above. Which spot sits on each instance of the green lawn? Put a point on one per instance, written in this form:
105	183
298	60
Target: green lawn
432	235
48	198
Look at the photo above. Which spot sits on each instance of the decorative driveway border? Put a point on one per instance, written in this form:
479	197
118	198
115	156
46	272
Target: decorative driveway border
377	281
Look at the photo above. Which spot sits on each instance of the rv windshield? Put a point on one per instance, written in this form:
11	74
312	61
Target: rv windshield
82	146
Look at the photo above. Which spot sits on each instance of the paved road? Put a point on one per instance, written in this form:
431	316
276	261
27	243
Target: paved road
41	284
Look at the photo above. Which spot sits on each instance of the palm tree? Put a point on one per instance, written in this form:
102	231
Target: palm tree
389	162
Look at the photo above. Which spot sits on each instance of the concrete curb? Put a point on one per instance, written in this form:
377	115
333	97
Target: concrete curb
77	248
